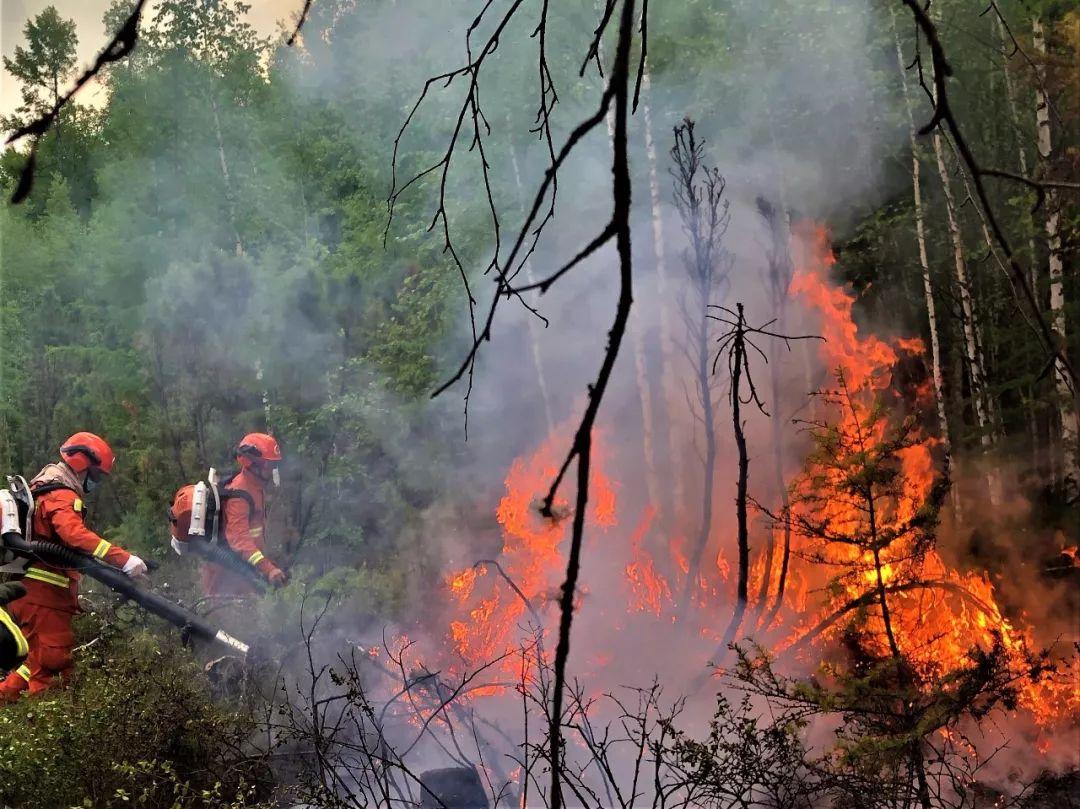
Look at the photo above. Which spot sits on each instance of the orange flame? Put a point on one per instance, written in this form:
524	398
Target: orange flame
936	625
491	612
650	590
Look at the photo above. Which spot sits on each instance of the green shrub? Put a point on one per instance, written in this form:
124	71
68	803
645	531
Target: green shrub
136	726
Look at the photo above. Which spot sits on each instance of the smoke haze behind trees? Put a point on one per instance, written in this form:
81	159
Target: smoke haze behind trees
216	251
232	230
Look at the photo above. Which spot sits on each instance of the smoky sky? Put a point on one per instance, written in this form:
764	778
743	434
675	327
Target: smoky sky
87	14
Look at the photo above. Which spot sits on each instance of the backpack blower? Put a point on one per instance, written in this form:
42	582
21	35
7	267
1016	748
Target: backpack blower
196	518
16	540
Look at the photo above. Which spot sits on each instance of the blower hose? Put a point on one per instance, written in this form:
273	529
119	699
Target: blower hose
59	556
228	560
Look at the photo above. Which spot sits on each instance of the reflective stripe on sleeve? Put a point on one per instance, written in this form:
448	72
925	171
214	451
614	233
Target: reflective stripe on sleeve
21	646
47	576
24	672
255	558
255	532
102	548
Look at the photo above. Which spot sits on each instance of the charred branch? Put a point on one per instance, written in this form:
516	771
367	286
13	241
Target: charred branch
122	43
734	349
471	117
299	23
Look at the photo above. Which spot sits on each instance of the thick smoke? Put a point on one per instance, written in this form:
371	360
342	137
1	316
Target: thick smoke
801	120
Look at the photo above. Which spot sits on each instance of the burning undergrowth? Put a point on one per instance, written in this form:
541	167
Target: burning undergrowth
951	680
500	612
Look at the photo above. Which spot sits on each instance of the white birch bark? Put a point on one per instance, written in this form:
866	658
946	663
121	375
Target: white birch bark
1070	429
669	379
928	283
972	344
972	353
530	319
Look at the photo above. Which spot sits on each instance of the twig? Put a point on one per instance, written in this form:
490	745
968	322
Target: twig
122	43
299	23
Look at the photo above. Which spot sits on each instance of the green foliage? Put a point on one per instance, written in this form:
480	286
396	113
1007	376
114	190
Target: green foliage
204	257
744	760
138	726
45	64
362	594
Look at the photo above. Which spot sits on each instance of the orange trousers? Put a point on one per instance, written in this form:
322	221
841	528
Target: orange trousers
44	614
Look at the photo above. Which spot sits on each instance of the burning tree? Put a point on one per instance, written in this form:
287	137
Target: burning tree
780	272
860	510
866	507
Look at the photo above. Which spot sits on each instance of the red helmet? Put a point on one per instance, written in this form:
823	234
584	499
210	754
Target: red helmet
257	447
85	451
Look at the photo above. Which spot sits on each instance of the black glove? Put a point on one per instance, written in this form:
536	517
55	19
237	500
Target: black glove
9	591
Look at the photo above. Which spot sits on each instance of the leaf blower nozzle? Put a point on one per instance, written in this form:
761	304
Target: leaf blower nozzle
12	542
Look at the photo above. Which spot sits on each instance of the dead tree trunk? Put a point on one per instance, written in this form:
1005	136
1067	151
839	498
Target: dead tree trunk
616	95
699	199
733	347
738	362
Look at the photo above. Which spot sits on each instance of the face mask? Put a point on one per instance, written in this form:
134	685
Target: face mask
90	484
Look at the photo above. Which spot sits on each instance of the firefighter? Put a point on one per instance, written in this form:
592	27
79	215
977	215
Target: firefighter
44	614
258	455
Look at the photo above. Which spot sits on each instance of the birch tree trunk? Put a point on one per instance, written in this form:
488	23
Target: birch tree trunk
1070	429
668	377
224	164
972	342
992	413
530	319
641	371
972	353
924	266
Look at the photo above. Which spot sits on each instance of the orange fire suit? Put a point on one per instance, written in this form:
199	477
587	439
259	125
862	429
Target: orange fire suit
52	593
244	525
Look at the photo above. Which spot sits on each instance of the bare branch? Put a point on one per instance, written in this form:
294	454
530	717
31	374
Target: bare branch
122	43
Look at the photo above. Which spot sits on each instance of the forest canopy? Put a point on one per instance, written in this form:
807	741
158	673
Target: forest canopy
800	504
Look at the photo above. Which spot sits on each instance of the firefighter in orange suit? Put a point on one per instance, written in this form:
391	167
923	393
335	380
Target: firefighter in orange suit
52	593
245	518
